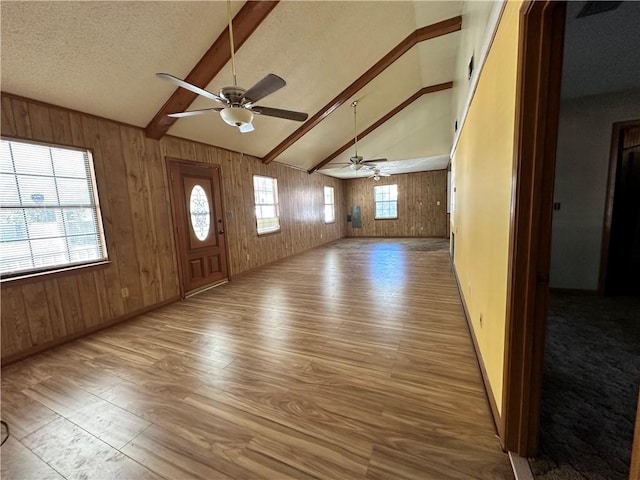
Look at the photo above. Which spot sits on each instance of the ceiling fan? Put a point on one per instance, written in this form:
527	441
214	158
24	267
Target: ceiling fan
357	162
377	174
238	105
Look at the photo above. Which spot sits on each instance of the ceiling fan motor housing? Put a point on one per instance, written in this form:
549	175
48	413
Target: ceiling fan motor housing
233	95
235	114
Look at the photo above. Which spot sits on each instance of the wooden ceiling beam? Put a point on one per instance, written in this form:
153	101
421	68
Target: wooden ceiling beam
423	91
245	23
425	33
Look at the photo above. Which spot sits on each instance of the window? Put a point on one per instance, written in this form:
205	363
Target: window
265	190
329	206
49	211
386	198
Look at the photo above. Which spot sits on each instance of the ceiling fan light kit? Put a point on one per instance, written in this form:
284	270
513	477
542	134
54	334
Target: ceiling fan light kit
236	116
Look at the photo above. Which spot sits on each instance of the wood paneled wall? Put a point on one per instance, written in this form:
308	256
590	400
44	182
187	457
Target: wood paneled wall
419	214
132	187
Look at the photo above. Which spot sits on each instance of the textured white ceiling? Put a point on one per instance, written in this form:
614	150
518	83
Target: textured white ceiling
601	52
101	57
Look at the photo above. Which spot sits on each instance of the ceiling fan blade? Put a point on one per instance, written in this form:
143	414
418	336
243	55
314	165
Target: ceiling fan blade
246	128
264	87
191	88
276	112
375	160
191	113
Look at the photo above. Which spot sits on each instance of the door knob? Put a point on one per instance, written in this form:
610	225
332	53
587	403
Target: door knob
220	232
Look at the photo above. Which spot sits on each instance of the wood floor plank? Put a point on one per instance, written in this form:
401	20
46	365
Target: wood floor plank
78	455
351	361
113	425
24	414
177	457
61	396
387	463
320	462
19	463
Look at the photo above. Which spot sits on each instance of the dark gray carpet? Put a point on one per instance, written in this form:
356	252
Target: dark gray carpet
590	388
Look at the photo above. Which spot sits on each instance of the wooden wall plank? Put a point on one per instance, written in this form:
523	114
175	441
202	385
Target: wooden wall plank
133	145
15	328
161	222
61	127
419	214
40	121
109	279
56	312
37	308
71	305
88	300
119	200
21	118
6	119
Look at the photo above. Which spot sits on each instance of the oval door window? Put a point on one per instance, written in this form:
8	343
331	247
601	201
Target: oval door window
200	212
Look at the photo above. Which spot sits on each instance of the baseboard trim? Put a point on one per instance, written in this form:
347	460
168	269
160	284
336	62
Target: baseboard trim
521	467
396	236
9	359
197	291
497	420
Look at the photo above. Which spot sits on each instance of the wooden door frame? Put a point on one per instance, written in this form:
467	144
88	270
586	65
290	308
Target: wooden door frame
536	125
634	470
174	216
617	129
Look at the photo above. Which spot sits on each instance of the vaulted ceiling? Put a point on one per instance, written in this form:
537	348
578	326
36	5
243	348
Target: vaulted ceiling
396	58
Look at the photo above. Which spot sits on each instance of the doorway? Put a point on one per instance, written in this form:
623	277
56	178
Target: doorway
196	202
621	250
538	106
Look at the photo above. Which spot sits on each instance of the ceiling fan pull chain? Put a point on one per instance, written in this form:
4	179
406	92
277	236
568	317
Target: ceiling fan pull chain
232	46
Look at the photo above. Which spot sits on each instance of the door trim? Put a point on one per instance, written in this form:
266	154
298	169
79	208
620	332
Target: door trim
174	214
617	130
539	73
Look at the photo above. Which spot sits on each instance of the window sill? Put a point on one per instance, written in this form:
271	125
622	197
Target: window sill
51	274
387	218
329	223
266	234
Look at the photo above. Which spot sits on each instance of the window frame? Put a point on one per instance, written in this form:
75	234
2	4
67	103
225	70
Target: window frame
375	202
325	189
276	205
63	269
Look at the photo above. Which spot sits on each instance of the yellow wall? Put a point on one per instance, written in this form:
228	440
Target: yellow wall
482	169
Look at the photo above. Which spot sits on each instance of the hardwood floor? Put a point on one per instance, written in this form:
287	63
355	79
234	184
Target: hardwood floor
350	361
